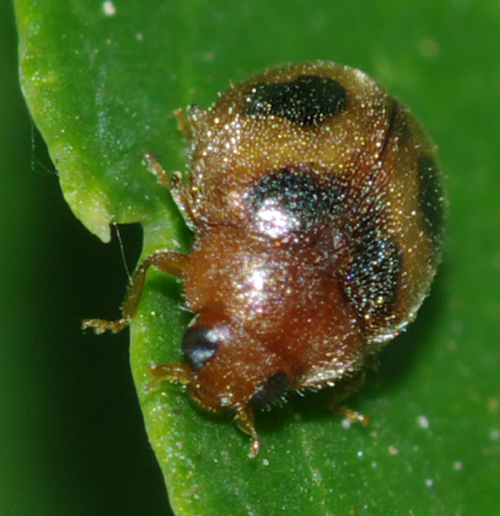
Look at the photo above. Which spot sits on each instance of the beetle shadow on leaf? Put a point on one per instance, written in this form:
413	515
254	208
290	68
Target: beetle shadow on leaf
166	286
402	356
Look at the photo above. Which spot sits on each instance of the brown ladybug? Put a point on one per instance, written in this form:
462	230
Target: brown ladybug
318	211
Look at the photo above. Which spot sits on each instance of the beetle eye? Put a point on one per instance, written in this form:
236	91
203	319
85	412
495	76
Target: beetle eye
199	346
272	391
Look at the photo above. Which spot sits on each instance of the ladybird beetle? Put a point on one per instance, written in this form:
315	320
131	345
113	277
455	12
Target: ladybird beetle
318	211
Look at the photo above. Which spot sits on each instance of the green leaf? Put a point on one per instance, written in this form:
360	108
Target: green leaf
103	79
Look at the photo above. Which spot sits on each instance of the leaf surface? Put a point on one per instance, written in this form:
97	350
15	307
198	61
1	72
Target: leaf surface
103	79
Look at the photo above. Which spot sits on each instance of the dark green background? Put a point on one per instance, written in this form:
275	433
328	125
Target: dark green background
73	440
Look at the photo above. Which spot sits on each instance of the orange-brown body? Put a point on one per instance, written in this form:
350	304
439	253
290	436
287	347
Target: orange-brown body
318	212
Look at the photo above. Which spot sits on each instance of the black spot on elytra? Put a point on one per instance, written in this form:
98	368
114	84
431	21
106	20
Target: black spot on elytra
307	101
431	198
295	204
199	346
271	392
373	279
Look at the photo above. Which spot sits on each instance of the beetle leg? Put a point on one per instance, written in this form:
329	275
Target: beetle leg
341	391
245	420
155	168
192	123
353	416
185	124
167	261
173	373
181	191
